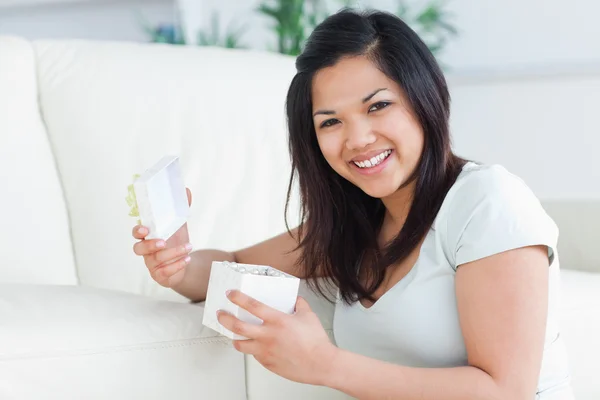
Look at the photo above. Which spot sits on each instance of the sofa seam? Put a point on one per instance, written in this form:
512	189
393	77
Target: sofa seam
36	59
120	349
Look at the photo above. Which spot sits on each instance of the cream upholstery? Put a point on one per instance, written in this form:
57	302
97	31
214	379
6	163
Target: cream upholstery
33	213
579	223
86	343
79	315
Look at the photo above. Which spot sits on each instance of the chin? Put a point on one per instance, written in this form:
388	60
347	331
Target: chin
378	192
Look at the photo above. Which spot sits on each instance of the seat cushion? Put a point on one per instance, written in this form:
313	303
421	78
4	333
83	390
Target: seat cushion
83	343
580	326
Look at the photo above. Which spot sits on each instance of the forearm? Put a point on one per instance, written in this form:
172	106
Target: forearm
279	251
195	282
366	378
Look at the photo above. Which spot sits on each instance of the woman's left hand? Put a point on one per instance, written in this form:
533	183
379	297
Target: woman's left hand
295	346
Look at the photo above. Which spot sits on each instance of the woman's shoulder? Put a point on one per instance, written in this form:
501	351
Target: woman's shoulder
492	184
488	180
489	208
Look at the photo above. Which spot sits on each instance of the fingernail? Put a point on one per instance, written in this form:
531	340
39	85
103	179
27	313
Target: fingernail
228	292
187	259
160	244
141	229
188	247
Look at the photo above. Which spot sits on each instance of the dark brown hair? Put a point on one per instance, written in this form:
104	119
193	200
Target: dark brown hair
339	222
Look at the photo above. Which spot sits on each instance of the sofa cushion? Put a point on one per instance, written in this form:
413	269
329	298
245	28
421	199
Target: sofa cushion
35	223
84	343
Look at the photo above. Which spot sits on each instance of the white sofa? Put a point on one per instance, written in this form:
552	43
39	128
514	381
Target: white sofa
80	317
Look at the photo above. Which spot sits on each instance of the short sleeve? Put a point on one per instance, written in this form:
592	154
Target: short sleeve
493	211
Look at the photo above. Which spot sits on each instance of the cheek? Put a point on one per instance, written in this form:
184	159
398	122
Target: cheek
406	136
331	147
414	142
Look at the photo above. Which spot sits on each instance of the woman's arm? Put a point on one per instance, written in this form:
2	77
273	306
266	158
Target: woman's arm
502	303
278	252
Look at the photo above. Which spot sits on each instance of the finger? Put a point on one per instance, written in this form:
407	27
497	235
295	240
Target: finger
189	196
168	270
253	306
170	254
235	325
146	247
302	306
248	346
139	232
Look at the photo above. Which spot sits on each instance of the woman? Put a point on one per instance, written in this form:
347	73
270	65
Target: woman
445	269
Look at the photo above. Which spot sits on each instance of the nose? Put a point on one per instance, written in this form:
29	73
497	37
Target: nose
359	135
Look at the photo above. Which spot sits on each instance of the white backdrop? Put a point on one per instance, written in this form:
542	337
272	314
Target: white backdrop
82	19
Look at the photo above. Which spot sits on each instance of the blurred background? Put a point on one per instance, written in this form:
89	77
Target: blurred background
550	44
471	37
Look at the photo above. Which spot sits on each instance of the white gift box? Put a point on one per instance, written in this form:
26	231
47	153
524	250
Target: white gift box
162	199
268	285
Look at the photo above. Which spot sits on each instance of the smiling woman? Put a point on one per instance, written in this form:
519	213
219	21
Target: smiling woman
446	270
372	89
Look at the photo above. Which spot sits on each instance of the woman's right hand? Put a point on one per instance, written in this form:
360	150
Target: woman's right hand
165	260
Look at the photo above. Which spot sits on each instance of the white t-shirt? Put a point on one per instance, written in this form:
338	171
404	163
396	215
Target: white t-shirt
415	323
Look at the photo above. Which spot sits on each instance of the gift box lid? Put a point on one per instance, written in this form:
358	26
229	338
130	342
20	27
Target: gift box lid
161	198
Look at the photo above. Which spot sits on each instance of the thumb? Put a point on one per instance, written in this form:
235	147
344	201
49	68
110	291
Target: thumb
302	306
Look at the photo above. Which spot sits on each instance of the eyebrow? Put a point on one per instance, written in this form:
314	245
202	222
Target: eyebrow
364	100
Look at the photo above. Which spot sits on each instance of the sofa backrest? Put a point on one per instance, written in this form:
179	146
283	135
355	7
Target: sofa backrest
579	224
113	109
35	242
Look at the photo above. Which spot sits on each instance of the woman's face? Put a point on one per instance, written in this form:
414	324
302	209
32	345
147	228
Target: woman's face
365	126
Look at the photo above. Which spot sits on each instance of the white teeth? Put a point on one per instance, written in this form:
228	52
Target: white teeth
373	161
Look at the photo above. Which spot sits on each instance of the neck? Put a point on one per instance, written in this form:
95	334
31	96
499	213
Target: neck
398	205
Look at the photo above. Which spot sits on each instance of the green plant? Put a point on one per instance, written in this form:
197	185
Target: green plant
213	38
162	33
432	23
294	20
173	34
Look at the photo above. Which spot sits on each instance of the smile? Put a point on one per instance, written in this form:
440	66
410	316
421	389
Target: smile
373	161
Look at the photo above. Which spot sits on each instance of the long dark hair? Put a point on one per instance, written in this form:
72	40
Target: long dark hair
339	222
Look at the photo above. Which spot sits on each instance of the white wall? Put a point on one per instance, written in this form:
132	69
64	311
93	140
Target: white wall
546	130
530	34
83	19
496	36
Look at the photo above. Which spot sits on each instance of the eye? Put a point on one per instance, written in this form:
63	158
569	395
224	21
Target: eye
379	105
329	122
